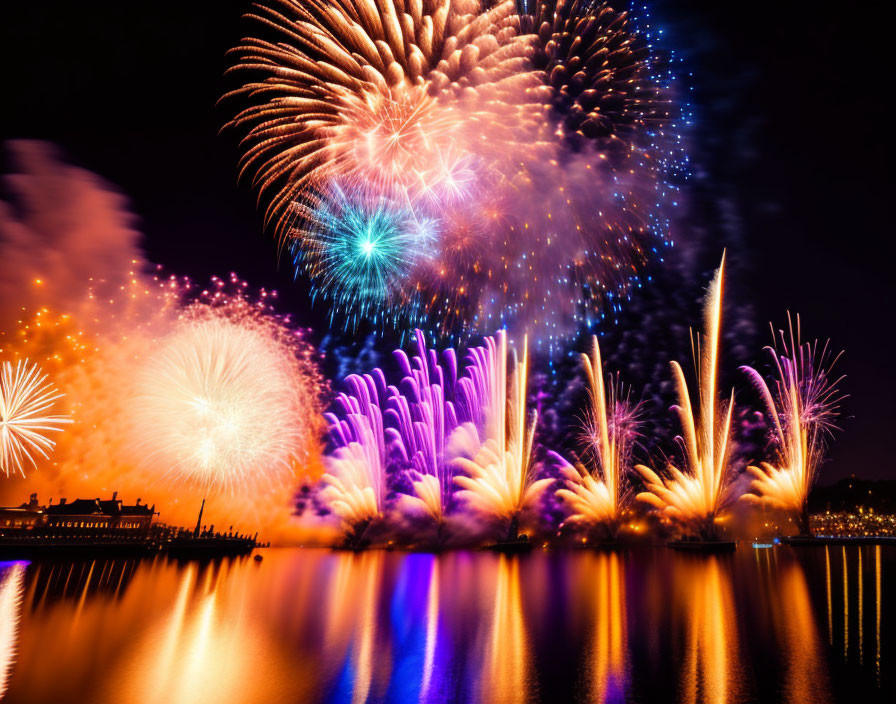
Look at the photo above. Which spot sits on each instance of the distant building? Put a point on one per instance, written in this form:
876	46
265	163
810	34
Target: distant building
23	517
81	517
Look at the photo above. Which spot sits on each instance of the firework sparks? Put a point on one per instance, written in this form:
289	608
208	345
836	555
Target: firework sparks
26	397
355	482
500	479
802	405
155	408
597	497
414	438
695	497
424	418
360	248
217	404
443	110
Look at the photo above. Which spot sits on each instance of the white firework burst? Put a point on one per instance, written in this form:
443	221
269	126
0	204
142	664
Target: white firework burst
26	398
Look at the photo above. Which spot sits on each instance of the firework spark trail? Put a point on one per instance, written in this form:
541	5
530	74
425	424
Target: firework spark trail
802	404
540	145
26	397
695	497
355	481
381	430
500	480
596	498
134	431
424	417
429	427
217	406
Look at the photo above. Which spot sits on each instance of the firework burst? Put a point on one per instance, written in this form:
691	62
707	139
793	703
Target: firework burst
26	397
802	404
355	481
445	109
361	248
424	418
218	405
500	480
695	497
596	498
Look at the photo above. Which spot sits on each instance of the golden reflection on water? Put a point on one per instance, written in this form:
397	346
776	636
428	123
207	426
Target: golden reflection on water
805	679
827	581
601	586
351	623
322	626
877	610
507	653
845	606
712	670
205	642
861	610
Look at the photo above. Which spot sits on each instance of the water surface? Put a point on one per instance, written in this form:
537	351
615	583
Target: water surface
780	625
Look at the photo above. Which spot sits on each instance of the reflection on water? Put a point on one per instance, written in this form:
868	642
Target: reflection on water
804	679
598	586
877	611
320	626
712	666
504	679
12	579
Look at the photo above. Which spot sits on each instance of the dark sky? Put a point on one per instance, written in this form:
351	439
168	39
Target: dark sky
792	123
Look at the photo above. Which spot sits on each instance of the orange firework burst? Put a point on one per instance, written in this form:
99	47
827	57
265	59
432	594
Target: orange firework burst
802	404
217	404
695	497
443	108
127	366
596	498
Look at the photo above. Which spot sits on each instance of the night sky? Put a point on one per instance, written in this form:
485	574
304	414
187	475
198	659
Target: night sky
792	130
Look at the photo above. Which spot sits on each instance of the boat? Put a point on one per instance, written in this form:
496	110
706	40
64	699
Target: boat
512	547
704	546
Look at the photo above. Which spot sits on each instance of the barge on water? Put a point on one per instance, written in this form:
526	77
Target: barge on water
704	546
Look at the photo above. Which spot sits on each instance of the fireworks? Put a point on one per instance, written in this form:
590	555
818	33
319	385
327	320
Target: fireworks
412	438
355	482
596	498
216	405
159	383
26	397
694	497
424	419
501	479
513	168
802	405
434	426
361	248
